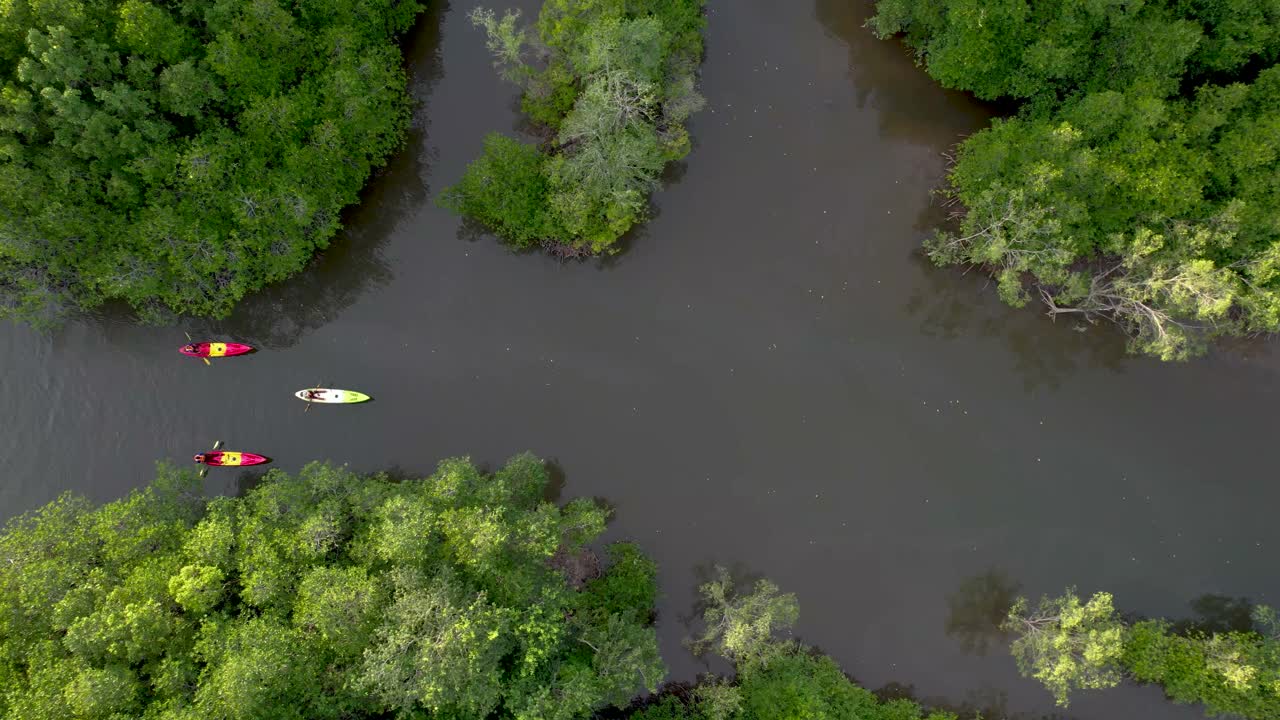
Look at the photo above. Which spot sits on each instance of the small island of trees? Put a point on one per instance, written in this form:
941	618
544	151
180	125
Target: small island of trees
610	84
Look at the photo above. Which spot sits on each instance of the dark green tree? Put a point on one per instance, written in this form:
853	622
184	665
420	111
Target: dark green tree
506	189
179	155
1050	50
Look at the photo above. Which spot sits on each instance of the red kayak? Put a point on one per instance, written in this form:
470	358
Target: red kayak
226	458
214	349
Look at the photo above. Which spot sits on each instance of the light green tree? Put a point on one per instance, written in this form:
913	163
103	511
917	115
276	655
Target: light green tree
743	627
1046	50
1066	644
507	41
197	588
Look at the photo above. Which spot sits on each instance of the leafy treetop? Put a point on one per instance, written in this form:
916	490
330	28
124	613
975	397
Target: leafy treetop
1068	644
321	595
611	82
1139	181
180	154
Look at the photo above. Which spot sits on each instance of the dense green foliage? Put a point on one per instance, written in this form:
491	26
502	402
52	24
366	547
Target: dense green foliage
612	83
1067	644
1235	673
775	679
1046	50
324	595
795	685
1141	179
179	154
742	627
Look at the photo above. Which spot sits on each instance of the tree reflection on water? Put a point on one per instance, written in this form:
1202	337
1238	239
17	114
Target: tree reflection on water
978	608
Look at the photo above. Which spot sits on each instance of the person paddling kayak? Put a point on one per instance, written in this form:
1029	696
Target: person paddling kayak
314	395
228	458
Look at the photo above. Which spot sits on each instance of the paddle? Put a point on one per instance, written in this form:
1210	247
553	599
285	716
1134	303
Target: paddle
217	444
205	359
308	407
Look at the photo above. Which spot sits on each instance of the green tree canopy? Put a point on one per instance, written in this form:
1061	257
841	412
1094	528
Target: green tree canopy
321	595
1050	49
178	155
612	82
1157	212
1068	644
1140	180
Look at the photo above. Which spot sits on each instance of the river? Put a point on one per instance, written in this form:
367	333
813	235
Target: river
770	377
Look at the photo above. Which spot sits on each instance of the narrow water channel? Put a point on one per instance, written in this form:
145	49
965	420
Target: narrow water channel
770	377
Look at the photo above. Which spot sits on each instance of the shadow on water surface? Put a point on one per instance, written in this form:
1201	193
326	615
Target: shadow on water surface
957	303
555	480
743	581
250	479
977	608
225	484
953	303
672	175
912	108
983	703
1217	614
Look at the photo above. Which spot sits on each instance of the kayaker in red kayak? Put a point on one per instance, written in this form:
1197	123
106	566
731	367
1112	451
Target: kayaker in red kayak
228	458
189	349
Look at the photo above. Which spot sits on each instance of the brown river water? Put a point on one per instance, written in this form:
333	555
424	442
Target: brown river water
770	377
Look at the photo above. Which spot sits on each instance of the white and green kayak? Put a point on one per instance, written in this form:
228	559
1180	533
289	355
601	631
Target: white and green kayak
329	395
